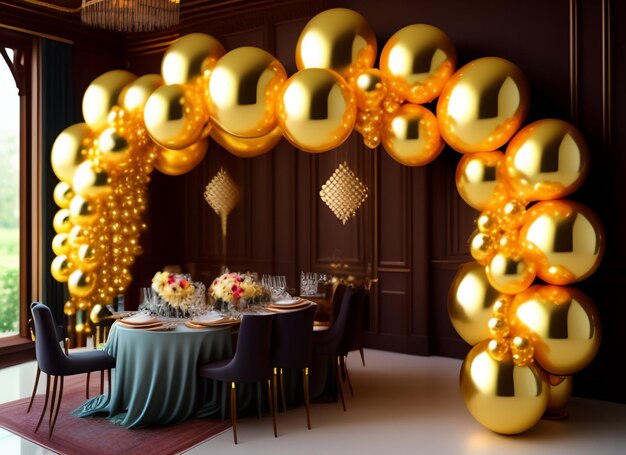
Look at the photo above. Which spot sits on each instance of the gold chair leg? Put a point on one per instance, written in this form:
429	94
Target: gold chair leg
362	356
340	384
87	389
32	397
282	391
96	342
54	394
270	401
233	409
275	391
45	403
347	375
56	413
101	382
307	404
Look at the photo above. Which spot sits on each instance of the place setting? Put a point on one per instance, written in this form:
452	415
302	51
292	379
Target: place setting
145	321
210	320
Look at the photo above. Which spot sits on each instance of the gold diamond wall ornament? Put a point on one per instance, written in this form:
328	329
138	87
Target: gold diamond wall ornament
343	192
222	194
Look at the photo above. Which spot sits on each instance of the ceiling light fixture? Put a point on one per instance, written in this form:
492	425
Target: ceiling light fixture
130	15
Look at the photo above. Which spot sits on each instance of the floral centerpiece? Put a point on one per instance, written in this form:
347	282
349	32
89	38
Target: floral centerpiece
175	294
235	290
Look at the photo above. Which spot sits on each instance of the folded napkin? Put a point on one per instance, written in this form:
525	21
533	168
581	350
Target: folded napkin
208	318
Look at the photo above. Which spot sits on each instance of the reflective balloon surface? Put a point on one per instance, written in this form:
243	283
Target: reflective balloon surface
61	268
243	90
63	194
81	284
565	239
102	94
135	96
82	211
548	159
189	57
61	244
418	60
483	105
411	135
338	39
177	162
69	150
482	247
90	183
247	147
501	396
316	110
114	148
510	272
61	221
369	88
560	392
477	180
470	302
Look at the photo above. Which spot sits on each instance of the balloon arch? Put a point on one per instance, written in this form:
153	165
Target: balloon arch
528	338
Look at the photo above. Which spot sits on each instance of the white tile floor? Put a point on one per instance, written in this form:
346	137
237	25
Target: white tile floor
402	404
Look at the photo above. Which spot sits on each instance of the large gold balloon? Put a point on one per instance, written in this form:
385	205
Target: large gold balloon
90	183
63	194
102	94
510	272
478	182
190	57
81	283
175	116
411	135
564	324
61	221
483	105
470	303
417	61
177	162
369	88
61	268
243	89
560	393
135	96
69	150
547	159
247	147
316	110
115	150
82	211
564	239
338	39
61	244
503	397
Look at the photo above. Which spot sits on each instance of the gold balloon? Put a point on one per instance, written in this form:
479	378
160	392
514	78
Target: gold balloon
87	258
115	149
483	105
61	221
69	150
482	247
369	88
411	135
190	57
564	324
63	194
102	94
247	147
418	60
82	211
477	180
90	183
512	214
470	302
316	110
177	162
61	244
501	396
175	116
78	236
338	39
243	90
547	159
510	272
136	94
69	308
81	284
61	268
560	392
564	239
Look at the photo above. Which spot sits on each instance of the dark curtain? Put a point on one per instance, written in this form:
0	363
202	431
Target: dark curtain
57	113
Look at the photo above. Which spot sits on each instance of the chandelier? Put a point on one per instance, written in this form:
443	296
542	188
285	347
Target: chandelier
130	15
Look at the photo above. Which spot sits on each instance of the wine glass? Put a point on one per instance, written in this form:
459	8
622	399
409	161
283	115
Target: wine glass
281	285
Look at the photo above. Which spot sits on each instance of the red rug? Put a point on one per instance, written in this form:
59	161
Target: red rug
96	435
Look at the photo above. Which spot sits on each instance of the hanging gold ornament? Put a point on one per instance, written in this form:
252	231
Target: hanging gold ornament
343	192
222	194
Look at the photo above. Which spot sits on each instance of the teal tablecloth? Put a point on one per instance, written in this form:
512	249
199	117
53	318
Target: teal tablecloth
155	380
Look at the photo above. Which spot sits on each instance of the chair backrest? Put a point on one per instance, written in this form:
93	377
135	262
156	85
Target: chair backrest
292	338
252	356
353	333
50	356
327	343
337	299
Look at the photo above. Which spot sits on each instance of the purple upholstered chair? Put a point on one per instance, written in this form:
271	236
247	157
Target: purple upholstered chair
251	362
353	334
326	343
54	362
292	338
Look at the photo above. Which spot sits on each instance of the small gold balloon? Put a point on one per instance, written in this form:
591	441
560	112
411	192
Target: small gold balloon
177	162
102	94
63	194
564	239
115	149
90	183
338	39
369	88
499	349
488	223
316	110
483	105
564	324
510	272
243	89
502	305
418	60
83	305
190	57
501	396
547	159
61	244
482	247
560	392
69	150
470	302
61	221
411	135
477	180
81	284
78	236
61	268
522	350
512	214
247	147
87	258
69	309
498	327
175	116
82	211
136	94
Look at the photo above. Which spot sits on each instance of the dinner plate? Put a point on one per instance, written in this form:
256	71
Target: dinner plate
287	302
208	326
207	319
139	326
139	319
291	306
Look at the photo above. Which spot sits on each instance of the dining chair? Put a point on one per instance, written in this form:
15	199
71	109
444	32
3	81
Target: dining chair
336	300
292	342
251	362
326	343
55	363
352	339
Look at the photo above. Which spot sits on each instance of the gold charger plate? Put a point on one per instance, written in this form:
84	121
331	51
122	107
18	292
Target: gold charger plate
221	323
139	326
285	309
